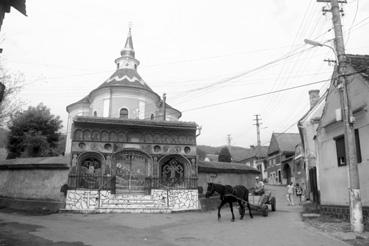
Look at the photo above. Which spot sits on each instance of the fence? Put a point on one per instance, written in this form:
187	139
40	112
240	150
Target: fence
91	181
175	183
100	182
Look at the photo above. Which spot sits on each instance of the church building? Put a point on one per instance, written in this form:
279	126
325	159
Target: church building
128	150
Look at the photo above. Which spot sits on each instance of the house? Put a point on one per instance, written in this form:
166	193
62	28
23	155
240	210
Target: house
332	171
280	159
307	156
256	159
211	157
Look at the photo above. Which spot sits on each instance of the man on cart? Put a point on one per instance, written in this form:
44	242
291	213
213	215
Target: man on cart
259	187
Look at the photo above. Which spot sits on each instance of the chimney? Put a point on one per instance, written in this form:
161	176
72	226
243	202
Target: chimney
314	97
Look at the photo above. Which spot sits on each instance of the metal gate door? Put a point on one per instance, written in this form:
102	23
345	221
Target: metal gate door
132	167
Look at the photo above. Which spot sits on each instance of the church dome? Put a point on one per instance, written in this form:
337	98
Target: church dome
119	90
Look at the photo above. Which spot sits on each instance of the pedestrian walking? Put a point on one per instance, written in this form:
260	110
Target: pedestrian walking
299	192
290	190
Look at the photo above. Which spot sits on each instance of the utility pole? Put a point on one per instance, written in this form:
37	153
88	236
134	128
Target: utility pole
164	106
229	141
356	213
257	124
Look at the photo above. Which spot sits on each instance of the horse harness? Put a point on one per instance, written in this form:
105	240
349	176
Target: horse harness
238	198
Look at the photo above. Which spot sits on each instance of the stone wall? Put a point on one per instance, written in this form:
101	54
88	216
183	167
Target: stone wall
41	184
343	212
92	200
83	199
179	200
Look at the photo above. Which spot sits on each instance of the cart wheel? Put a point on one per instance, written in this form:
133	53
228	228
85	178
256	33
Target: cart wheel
264	210
273	203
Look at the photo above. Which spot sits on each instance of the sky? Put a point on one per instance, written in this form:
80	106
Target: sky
197	52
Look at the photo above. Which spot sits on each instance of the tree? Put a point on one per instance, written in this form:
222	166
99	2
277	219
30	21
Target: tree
200	153
10	103
224	155
34	133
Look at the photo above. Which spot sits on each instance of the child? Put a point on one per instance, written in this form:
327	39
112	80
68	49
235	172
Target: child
290	194
299	192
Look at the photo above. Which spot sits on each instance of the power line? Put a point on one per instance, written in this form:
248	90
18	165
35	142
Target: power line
353	22
223	81
254	96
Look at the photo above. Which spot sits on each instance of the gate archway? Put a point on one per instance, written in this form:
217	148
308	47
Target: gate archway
131	167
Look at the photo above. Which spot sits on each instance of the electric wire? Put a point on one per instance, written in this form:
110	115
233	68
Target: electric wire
255	96
353	22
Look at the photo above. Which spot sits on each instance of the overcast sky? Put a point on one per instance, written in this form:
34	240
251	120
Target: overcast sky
67	48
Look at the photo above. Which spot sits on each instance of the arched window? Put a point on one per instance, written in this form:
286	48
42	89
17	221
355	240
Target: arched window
152	117
123	114
95	113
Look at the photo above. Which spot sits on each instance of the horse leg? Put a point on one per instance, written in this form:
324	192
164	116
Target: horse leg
248	206
242	209
219	207
231	207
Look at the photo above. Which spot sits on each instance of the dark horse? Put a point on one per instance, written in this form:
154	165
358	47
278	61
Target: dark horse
229	194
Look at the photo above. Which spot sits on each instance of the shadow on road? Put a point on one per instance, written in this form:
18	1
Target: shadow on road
17	234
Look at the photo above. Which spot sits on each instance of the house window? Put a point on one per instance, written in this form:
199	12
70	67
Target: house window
340	149
357	144
123	114
95	113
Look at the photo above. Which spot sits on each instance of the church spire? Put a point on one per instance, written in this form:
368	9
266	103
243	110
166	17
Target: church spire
128	49
127	59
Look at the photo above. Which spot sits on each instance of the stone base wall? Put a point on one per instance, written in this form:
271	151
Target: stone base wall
178	200
82	199
343	212
158	201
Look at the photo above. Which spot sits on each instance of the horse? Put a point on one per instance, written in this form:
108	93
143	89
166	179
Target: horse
229	194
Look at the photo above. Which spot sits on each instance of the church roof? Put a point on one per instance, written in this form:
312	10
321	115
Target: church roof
127	78
124	77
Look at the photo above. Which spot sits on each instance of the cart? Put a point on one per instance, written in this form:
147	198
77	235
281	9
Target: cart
263	203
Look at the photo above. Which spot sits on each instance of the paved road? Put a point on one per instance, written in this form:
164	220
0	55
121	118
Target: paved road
283	227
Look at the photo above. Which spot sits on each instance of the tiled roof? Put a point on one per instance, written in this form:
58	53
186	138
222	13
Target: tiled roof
135	122
58	162
127	78
258	152
225	167
287	141
360	63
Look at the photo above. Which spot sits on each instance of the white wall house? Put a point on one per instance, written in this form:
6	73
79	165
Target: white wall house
331	165
308	125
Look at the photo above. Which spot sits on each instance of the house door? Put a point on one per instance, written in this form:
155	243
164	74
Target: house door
287	173
131	169
314	185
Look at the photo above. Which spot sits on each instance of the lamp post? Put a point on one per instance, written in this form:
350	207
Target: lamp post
318	44
356	213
